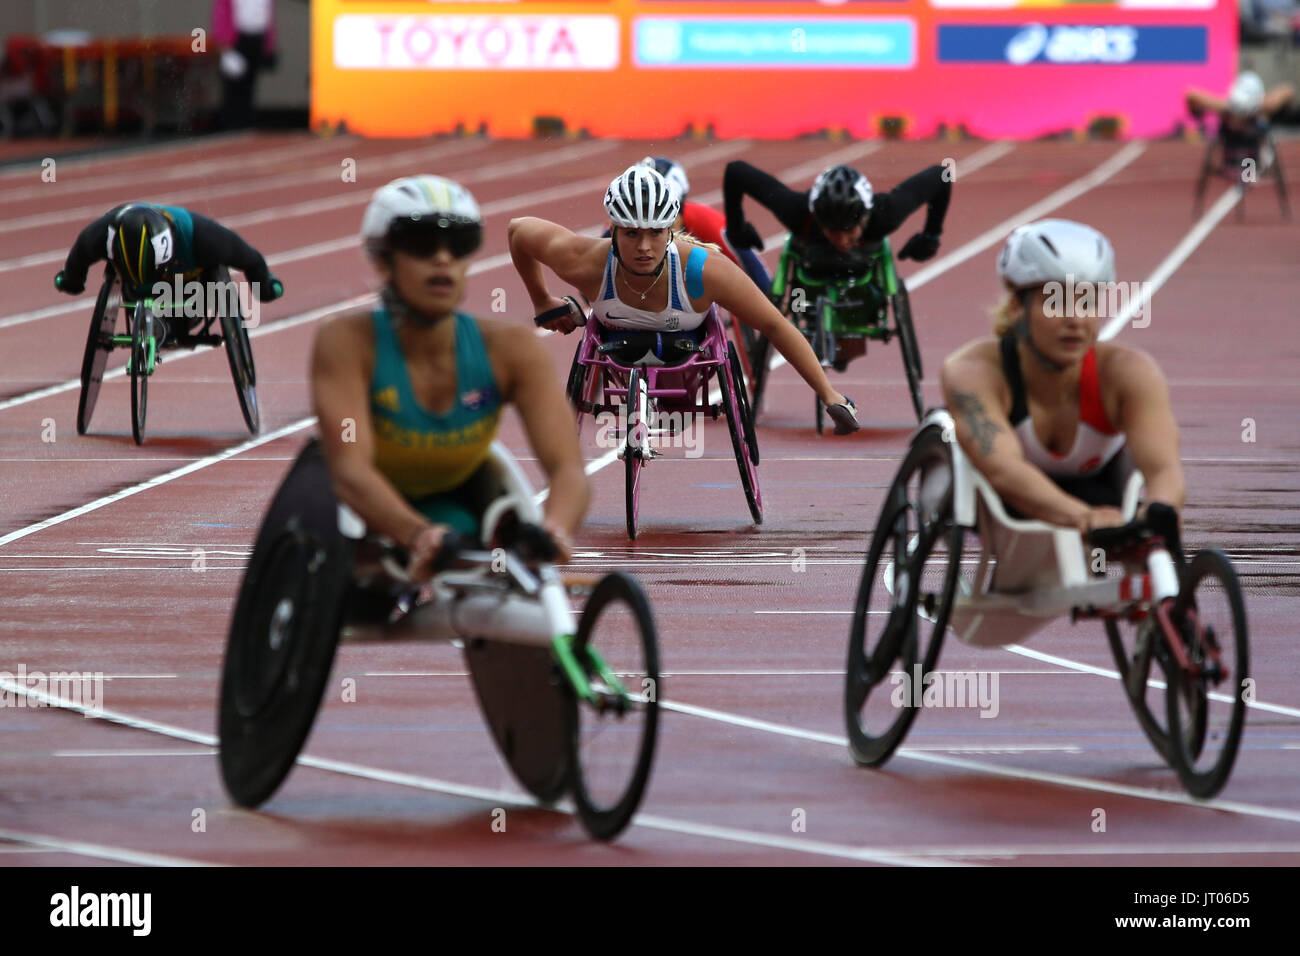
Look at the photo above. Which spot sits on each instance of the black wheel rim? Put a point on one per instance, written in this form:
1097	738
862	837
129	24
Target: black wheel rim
904	600
1206	709
612	746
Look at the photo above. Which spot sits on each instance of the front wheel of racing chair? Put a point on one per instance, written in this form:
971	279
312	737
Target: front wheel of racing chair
746	455
1209	161
901	306
141	362
1206	702
239	352
636	445
611	740
904	599
99	342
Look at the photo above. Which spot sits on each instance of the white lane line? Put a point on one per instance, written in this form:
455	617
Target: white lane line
32	167
981	158
245	187
487	795
97	850
153	177
1114	675
207	752
1055	779
1151	849
1171	263
157	480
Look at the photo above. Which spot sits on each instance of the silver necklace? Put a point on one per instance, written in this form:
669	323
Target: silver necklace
662	270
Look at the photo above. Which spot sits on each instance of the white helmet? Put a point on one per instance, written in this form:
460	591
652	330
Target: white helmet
1052	249
431	200
1247	94
672	172
640	198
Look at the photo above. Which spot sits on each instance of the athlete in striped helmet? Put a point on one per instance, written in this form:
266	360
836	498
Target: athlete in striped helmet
148	243
644	279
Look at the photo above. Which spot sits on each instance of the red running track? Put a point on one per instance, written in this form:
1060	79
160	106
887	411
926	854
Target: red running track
753	649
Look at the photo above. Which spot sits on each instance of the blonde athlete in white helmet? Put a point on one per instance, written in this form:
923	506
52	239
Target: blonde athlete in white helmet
409	394
644	279
1052	417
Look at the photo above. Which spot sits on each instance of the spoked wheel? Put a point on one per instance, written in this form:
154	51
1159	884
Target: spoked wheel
1135	649
745	461
612	743
904	600
239	351
141	337
99	342
634	444
1206	705
742	396
902	308
283	634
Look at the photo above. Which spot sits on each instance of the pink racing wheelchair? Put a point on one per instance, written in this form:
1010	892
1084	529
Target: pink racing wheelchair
655	384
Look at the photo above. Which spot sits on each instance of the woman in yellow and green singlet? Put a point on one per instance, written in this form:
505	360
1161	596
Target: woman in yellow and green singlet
409	395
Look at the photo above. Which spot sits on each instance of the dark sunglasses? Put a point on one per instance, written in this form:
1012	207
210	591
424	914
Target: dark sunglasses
423	237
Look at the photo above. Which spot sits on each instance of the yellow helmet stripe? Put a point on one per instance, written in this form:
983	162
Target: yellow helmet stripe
142	242
126	256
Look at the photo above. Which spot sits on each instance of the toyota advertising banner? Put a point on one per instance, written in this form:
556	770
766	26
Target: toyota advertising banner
765	68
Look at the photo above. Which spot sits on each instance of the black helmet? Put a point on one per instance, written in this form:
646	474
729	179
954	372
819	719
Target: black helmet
840	198
141	245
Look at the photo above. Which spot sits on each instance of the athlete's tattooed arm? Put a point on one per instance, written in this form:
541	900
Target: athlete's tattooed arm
983	430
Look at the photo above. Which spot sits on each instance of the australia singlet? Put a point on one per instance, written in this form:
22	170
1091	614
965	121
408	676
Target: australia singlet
428	456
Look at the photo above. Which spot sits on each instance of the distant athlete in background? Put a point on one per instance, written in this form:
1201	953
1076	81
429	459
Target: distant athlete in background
841	218
148	243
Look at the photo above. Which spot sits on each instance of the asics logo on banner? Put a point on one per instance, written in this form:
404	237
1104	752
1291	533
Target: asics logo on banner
1077	44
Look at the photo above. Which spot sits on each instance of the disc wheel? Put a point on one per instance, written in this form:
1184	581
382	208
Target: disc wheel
141	335
612	742
902	309
283	633
744	461
1206	705
903	603
99	342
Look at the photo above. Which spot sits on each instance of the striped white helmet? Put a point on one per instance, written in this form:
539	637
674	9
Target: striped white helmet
416	198
640	198
1247	94
1051	249
672	172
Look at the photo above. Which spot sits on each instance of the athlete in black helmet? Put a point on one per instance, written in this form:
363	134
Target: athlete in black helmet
840	219
147	243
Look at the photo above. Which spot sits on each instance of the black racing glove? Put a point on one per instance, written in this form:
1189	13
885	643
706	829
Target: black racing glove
920	247
270	290
745	236
64	284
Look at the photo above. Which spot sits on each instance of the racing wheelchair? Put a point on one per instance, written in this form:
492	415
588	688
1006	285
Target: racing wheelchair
1244	158
839	316
650	383
572	705
924	576
151	327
